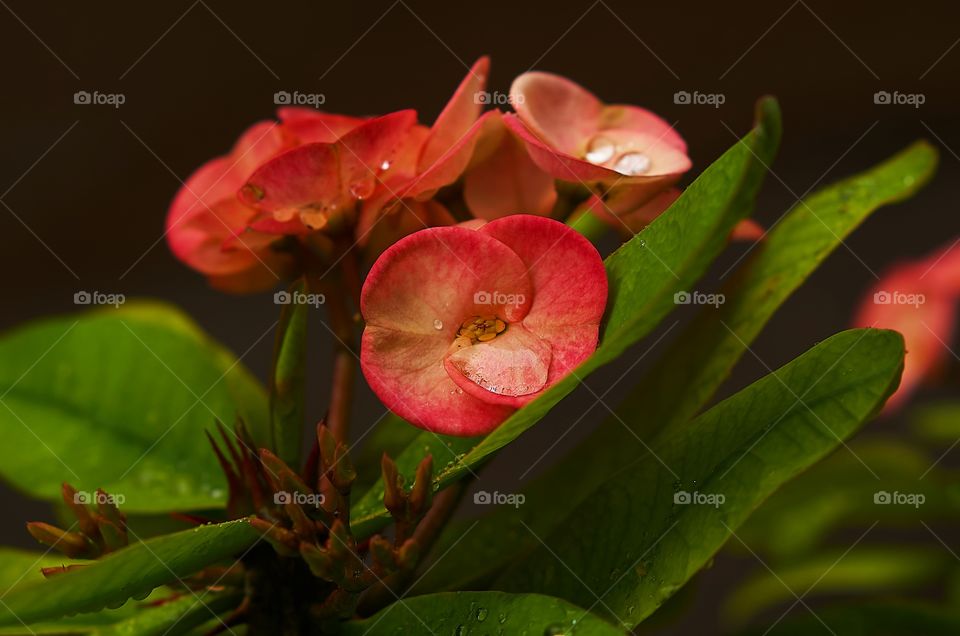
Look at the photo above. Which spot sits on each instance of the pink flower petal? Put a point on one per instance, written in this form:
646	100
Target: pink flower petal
569	279
511	369
450	164
558	111
300	182
205	218
927	324
507	181
625	117
377	234
414	300
569	282
308	126
370	149
432	280
406	371
458	115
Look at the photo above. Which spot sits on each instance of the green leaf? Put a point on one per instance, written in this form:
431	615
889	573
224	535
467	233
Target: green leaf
644	274
132	572
702	357
633	542
937	423
19	568
692	368
117	399
481	613
390	434
889	617
288	380
839	492
176	617
864	570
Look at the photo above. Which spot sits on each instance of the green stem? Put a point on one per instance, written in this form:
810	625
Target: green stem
588	224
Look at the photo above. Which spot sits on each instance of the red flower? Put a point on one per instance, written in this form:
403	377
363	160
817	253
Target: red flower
918	299
206	223
464	326
575	137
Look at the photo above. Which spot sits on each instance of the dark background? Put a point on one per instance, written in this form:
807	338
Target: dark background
85	187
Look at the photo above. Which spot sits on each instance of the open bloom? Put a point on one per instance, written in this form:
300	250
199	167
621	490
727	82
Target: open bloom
215	232
918	299
574	136
464	326
239	217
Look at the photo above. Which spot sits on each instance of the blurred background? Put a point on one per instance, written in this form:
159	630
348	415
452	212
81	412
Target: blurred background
85	187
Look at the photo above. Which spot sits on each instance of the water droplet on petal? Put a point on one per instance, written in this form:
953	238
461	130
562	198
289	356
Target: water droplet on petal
600	150
632	164
361	189
438	324
385	165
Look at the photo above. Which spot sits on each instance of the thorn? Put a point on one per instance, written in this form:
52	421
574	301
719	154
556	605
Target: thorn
394	498
194	520
233	479
320	562
61	569
84	519
422	492
229	443
343	472
327	445
114	536
339	543
108	509
280	475
72	544
284	541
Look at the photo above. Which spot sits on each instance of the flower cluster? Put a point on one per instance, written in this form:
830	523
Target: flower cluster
299	189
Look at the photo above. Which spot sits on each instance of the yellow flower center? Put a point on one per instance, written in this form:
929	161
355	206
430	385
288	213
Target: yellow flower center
478	329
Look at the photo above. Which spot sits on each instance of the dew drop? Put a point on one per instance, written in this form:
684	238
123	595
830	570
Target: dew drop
361	190
385	165
438	324
600	150
482	614
632	164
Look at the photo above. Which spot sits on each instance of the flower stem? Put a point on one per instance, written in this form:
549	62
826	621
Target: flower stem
344	357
